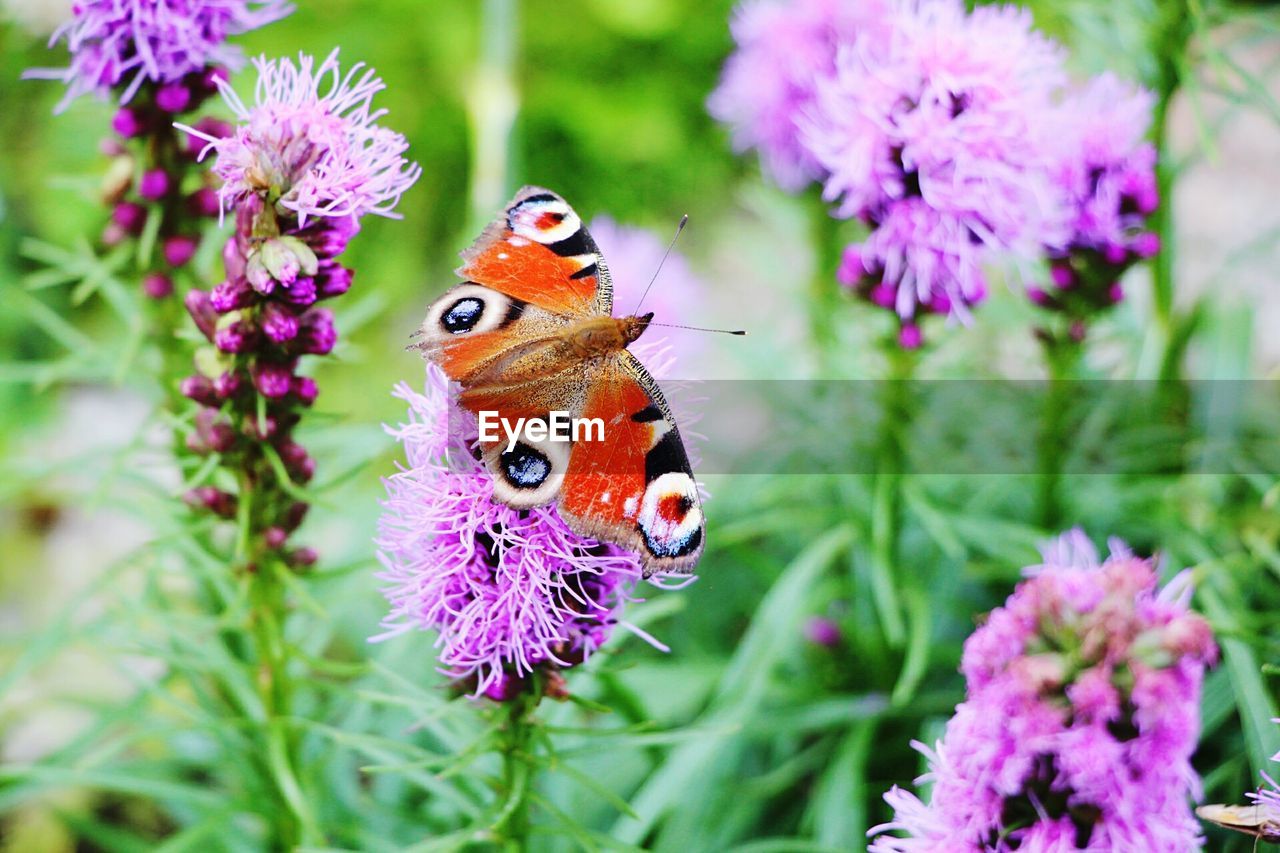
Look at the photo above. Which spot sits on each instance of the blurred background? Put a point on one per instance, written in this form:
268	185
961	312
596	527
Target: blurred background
758	732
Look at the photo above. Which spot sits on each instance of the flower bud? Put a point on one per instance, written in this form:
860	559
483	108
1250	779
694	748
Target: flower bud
199	389
157	285
212	433
272	380
204	202
285	257
130	216
220	503
317	335
301	293
822	632
234	334
179	249
329	236
128	122
231	295
305	389
154	184
333	279
226	384
274	537
202	311
278	323
294	515
302	558
209	127
910	337
173	97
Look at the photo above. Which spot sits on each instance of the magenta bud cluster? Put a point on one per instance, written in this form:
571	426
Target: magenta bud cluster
150	174
260	322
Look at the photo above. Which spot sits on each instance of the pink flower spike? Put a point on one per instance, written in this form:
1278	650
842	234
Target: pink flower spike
309	141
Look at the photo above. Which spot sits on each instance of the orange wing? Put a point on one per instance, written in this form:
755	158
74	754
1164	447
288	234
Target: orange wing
635	488
539	252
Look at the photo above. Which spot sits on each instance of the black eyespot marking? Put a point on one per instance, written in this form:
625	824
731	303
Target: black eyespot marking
463	315
525	467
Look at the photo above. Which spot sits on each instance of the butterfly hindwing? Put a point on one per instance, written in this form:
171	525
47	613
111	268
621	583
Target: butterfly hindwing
528	333
636	488
539	252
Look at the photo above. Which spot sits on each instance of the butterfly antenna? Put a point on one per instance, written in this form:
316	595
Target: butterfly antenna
683	220
701	329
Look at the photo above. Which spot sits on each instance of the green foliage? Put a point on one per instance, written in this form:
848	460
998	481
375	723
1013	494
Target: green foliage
137	674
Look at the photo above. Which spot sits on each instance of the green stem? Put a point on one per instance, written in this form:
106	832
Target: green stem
511	823
824	290
1170	37
886	511
1063	356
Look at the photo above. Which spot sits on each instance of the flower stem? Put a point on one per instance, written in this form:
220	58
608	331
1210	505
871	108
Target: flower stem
511	823
886	511
824	290
1063	356
1171	33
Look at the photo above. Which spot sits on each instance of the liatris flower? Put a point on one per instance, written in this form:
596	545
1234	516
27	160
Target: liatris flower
165	58
309	143
509	591
121	45
1080	717
768	84
936	137
633	256
1107	171
298	175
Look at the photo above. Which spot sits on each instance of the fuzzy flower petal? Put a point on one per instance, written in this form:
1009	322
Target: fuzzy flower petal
936	137
1080	717
309	143
783	49
127	43
507	590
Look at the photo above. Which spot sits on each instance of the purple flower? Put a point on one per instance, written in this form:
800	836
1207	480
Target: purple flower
309	143
768	84
633	255
1106	169
126	43
935	135
1080	717
508	591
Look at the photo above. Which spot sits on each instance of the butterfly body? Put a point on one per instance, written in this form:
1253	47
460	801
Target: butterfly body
530	333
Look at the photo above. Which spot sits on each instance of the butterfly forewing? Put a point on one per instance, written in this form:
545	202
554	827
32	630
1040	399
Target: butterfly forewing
522	336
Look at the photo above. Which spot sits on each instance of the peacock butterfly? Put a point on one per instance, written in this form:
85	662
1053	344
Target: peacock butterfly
530	333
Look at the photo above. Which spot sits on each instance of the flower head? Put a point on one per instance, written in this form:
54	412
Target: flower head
508	590
1106	168
1081	714
935	136
309	144
126	43
783	49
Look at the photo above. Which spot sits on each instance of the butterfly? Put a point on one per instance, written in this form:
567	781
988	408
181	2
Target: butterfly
1260	821
530	332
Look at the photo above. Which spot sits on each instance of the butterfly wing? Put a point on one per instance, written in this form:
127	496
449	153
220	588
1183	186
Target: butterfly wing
539	252
635	488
